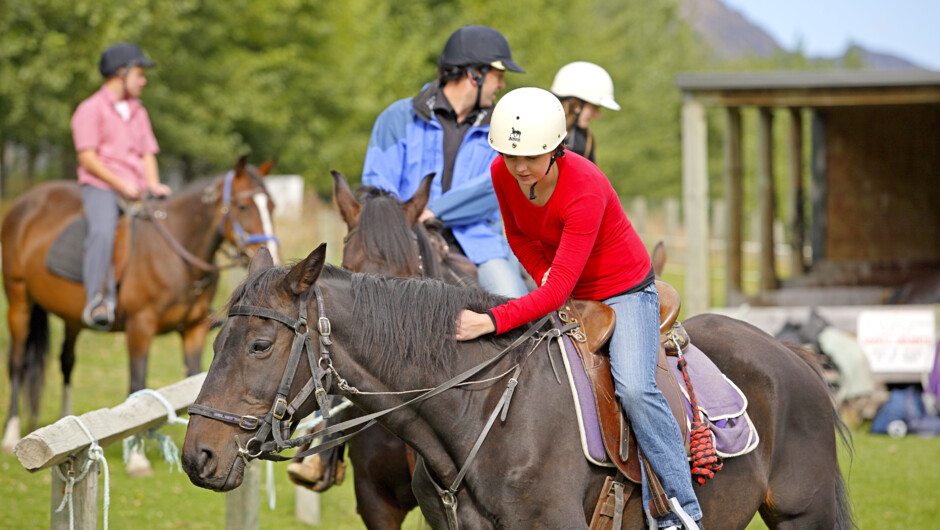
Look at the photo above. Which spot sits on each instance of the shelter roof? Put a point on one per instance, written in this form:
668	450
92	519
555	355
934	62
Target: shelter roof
812	88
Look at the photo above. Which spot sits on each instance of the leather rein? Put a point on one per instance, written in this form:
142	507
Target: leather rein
276	422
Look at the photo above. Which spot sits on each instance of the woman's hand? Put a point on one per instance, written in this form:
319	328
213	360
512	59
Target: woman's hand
471	325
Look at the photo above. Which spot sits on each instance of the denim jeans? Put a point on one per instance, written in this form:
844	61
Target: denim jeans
502	276
634	349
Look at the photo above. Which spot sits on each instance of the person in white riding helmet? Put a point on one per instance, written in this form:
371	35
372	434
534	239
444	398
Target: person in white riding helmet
565	223
583	89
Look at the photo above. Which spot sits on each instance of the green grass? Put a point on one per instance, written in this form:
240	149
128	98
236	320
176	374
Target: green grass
892	482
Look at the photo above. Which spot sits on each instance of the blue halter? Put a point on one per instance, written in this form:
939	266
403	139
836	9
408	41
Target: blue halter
243	238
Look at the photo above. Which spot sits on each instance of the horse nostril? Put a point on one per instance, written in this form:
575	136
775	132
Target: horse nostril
206	462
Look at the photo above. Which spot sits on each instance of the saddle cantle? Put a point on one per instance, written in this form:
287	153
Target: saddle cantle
64	258
597	323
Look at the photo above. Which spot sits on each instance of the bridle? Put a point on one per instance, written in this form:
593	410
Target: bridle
277	421
242	238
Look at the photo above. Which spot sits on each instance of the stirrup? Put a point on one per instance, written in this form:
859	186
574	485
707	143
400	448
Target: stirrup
687	522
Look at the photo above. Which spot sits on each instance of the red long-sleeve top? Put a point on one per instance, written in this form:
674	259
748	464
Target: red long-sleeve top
582	233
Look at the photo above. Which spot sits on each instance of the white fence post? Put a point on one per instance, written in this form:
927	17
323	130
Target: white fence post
84	502
242	503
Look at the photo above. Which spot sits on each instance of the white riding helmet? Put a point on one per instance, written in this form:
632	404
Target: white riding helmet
528	121
587	82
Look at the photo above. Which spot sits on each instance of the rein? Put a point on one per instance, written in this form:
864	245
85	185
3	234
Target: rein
157	216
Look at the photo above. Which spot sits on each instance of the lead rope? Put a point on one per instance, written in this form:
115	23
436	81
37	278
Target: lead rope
95	453
705	460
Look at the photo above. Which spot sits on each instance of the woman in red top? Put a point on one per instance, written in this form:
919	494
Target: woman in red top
565	223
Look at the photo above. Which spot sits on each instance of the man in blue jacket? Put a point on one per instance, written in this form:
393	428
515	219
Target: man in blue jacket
443	130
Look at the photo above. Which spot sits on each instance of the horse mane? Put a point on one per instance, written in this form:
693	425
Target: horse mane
409	323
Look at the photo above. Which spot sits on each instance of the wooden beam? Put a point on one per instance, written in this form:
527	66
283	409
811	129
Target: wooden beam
796	217
54	443
829	97
765	198
734	176
695	206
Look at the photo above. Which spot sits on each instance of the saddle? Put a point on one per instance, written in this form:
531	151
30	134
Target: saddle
597	324
64	258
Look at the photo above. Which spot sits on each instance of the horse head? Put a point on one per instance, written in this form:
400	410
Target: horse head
263	353
383	234
247	209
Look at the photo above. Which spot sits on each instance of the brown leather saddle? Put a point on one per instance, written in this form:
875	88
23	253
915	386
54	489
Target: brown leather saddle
597	324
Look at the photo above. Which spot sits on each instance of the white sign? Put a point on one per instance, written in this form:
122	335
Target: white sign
898	340
287	192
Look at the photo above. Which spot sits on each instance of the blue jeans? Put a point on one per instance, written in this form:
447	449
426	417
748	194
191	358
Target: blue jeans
634	349
502	276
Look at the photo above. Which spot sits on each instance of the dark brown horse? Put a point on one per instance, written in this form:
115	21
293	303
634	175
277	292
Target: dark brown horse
391	335
383	237
166	286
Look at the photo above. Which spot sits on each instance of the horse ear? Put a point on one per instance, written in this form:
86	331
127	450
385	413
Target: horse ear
305	273
266	168
419	201
261	260
348	206
241	164
659	259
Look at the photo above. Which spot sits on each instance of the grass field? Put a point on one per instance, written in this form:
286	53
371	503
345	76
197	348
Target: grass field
891	481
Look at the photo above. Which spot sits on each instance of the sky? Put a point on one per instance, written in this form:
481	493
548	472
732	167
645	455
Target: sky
909	29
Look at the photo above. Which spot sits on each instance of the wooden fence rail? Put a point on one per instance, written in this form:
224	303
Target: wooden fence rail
54	444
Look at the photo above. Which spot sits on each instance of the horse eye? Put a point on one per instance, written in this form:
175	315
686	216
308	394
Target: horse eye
260	346
242	207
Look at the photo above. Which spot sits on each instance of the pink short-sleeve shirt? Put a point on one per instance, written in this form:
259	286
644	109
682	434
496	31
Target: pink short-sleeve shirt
119	144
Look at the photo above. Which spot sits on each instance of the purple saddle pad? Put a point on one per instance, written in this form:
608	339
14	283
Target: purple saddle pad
723	405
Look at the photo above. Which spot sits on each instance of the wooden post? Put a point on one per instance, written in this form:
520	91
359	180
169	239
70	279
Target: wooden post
734	212
796	217
695	206
765	198
819	187
84	497
242	505
306	506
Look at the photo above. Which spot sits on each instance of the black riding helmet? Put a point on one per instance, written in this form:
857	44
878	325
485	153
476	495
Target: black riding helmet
476	46
122	55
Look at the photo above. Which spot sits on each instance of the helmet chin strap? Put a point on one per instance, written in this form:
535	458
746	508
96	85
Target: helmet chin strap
550	163
478	78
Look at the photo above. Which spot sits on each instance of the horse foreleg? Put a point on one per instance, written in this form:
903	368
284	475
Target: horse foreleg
194	339
67	362
140	332
18	316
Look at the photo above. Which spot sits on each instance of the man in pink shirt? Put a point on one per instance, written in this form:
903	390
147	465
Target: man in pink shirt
117	158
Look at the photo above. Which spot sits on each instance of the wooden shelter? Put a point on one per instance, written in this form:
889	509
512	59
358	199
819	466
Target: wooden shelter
874	189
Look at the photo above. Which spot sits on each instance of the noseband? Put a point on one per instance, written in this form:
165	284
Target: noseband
277	421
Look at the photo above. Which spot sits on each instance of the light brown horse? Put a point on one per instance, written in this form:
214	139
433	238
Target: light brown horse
166	285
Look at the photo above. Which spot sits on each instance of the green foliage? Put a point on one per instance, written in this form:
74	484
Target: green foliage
301	81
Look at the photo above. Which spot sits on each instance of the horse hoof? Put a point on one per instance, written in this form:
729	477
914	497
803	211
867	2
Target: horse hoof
138	465
11	436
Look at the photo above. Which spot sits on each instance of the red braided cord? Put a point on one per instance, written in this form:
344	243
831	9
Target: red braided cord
704	457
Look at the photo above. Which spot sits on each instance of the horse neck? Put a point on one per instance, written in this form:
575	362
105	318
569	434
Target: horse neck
194	222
